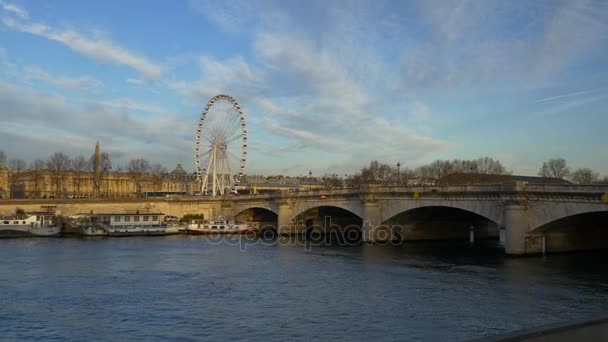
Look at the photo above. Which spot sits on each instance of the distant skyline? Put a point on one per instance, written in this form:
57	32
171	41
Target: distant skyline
326	86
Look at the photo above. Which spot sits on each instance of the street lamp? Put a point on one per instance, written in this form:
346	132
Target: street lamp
399	171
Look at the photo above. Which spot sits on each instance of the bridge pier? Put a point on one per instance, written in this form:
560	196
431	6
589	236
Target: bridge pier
286	224
516	226
371	220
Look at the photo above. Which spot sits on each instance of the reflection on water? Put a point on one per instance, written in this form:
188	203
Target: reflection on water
185	287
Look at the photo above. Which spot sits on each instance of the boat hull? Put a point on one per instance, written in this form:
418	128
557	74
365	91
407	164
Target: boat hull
191	231
16	232
92	231
143	231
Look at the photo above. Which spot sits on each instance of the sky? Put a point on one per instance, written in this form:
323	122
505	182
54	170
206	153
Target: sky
326	86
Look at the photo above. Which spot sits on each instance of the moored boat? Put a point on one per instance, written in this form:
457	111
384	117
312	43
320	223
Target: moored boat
222	226
41	224
125	224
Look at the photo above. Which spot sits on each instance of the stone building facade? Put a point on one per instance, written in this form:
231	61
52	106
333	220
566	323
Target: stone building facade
108	184
4	182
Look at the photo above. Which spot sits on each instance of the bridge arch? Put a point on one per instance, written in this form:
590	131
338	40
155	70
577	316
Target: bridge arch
240	210
490	210
442	222
354	207
542	216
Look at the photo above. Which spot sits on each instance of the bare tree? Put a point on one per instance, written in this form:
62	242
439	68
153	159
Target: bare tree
57	164
584	176
137	169
158	173
17	165
2	158
80	166
490	166
36	168
554	168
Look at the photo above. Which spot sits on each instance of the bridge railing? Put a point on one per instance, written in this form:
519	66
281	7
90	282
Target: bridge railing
567	188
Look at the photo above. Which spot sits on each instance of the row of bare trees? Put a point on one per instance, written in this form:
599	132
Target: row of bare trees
381	172
558	168
378	172
81	168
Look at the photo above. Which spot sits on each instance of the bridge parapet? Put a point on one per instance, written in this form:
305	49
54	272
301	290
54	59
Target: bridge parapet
592	188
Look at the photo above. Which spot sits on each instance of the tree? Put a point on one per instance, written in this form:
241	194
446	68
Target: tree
554	168
2	158
57	164
80	166
584	176
137	169
36	167
17	165
489	166
159	173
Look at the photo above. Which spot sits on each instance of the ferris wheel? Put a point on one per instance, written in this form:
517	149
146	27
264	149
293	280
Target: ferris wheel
220	146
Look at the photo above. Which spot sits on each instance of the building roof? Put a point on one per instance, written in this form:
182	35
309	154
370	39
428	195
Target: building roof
178	171
477	178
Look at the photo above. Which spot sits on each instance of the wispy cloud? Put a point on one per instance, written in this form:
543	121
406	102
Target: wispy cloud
83	83
30	114
14	9
127	103
95	47
573	94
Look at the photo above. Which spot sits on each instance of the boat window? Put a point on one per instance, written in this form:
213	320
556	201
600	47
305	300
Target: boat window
127	218
213	227
136	218
15	222
154	218
5	222
146	218
23	222
117	218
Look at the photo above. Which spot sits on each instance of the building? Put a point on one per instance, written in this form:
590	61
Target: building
478	178
5	175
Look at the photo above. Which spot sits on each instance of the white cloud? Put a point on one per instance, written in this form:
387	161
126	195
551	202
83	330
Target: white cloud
43	123
419	111
14	9
126	103
135	81
230	16
84	82
94	47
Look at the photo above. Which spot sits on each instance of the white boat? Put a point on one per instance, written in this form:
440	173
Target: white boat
222	226
35	224
119	224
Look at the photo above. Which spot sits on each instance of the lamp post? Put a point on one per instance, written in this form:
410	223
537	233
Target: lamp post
399	172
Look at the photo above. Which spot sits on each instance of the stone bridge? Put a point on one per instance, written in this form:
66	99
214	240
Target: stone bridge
528	218
532	217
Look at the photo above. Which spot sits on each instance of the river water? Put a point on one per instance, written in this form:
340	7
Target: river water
193	288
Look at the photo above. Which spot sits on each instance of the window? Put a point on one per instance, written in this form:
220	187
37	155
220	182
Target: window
146	218
127	218
117	218
136	218
6	222
154	218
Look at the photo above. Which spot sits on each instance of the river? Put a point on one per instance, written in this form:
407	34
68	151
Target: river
193	288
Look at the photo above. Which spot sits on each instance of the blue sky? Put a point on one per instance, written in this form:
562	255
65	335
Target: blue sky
326	86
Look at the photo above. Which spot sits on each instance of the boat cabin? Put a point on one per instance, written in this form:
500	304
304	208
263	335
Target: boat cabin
33	219
127	219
